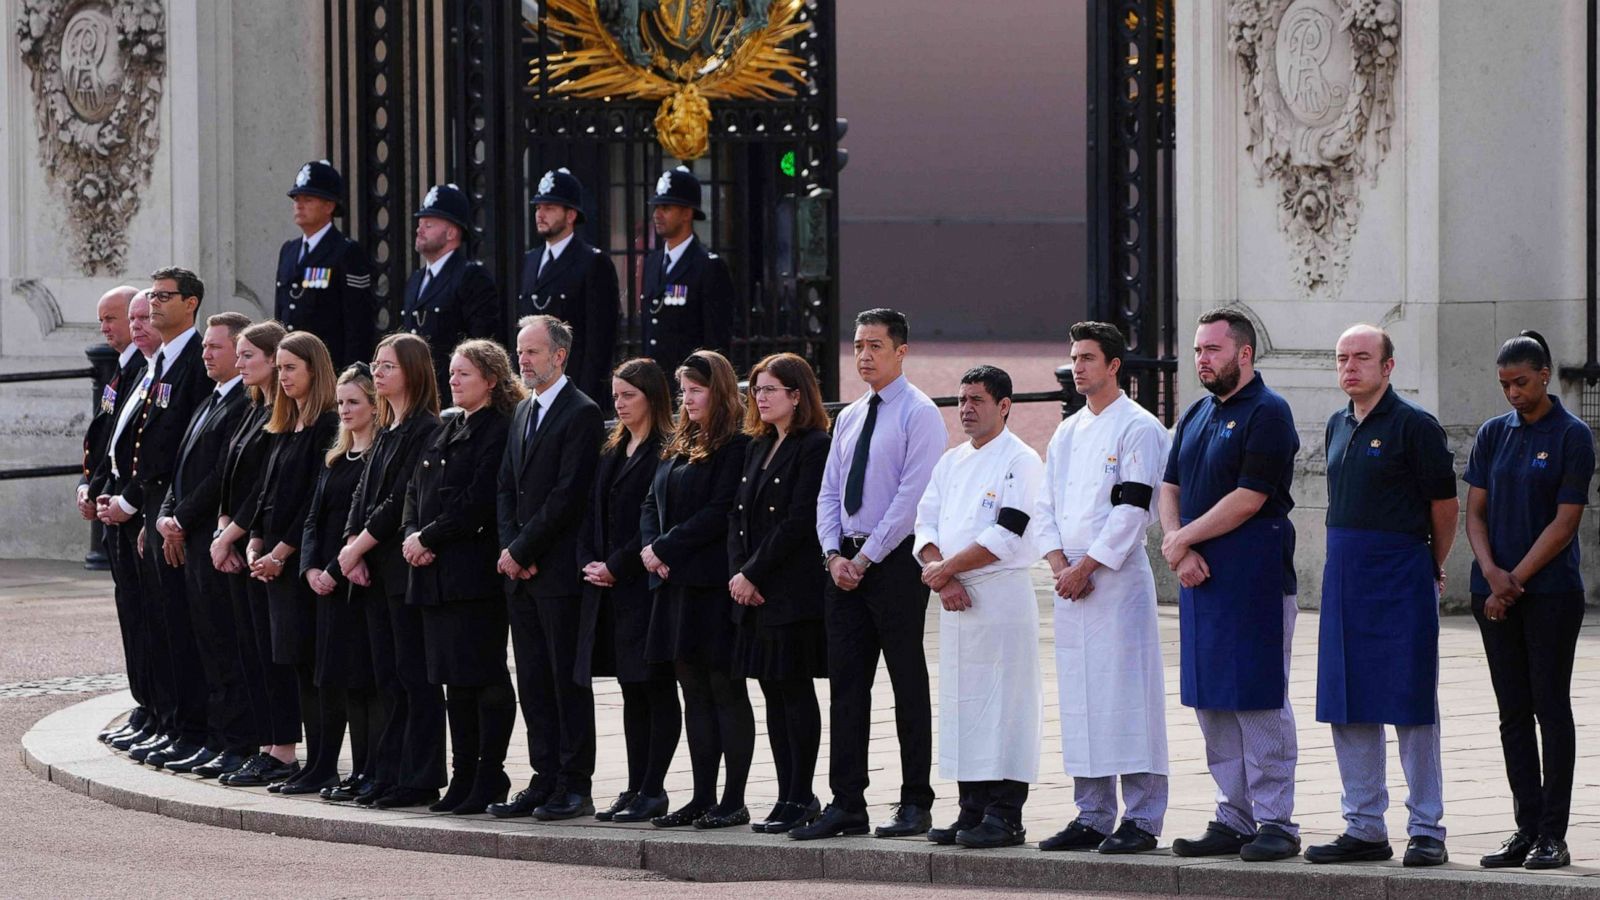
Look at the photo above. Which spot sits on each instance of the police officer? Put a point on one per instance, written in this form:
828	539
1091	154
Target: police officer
574	281
324	278
451	298
687	302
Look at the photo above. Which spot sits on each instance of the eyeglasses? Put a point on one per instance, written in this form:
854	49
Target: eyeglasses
160	297
768	390
383	368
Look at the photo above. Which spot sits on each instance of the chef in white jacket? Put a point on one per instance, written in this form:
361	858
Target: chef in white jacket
974	538
1101	471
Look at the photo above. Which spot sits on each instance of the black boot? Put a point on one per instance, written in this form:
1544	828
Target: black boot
463	775
497	715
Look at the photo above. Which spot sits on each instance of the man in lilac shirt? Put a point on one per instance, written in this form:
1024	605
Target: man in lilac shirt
884	447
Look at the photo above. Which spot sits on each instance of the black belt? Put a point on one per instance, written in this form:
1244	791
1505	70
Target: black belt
850	546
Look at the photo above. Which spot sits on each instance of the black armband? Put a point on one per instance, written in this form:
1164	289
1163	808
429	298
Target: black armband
1012	520
1132	493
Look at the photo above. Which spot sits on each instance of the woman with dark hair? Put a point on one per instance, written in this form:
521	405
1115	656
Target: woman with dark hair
344	657
683	528
450	504
1528	482
408	760
269	690
303	425
616	593
777	584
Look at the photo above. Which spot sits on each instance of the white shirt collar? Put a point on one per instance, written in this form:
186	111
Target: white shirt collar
225	388
556	248
312	241
438	264
171	350
548	396
676	253
126	354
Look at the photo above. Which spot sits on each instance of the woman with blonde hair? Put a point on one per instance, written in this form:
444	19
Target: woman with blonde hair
683	528
408	766
302	426
450	505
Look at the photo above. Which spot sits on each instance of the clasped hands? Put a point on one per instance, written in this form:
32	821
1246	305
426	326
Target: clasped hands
939	578
1504	591
1183	559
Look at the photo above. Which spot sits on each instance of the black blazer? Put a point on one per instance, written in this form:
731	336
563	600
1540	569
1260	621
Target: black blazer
243	464
461	303
672	327
330	295
450	506
543	487
579	287
323	537
147	453
610	534
289	480
197	483
107	408
378	505
692	539
772	531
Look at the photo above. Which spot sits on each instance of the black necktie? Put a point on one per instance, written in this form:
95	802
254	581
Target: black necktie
533	422
305	248
858	463
543	261
158	370
666	261
427	279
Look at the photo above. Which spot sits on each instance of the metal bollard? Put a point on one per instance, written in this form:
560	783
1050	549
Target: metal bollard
103	360
1073	400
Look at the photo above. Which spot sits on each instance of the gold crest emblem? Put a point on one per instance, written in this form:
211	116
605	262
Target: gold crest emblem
1542	454
1111	459
1231	423
1376	443
681	52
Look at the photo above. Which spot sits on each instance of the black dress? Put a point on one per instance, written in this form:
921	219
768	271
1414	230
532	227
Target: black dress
685	520
616	620
343	655
772	539
242	468
290	478
450	505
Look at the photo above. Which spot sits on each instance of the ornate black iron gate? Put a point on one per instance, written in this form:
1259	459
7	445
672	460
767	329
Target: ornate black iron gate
1132	266
423	91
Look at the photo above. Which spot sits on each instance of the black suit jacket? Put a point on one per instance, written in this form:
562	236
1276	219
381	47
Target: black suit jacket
330	295
378	505
450	506
197	480
610	534
112	399
692	539
689	309
772	531
461	303
579	287
243	463
544	486
157	429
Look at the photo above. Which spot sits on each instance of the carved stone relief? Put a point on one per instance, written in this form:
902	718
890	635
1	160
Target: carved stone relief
1318	87
97	68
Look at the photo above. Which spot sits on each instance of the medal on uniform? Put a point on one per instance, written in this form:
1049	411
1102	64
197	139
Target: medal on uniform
108	399
677	295
317	277
163	395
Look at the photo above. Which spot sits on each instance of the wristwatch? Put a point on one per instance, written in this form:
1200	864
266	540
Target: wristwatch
827	558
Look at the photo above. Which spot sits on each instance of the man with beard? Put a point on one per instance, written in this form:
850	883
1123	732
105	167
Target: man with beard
1224	509
570	279
451	298
687	299
324	283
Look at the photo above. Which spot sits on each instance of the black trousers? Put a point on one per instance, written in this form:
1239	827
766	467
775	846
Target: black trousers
125	574
884	614
1002	799
417	726
210	604
384	744
160	594
1530	657
794	728
279	687
557	710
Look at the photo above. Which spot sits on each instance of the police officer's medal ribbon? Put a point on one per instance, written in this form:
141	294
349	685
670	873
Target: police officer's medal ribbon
163	395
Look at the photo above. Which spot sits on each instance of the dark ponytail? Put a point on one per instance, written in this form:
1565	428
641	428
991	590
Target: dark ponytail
1529	347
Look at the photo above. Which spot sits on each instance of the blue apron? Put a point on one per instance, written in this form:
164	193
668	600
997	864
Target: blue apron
1231	626
1378	650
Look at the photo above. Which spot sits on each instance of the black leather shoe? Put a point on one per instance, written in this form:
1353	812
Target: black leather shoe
117	731
992	832
488	789
642	809
730	819
185	766
833	822
346	790
947	835
1219	840
909	820
680	817
128	741
141	752
371	792
1349	849
778	809
1548	853
620	804
1076	836
1425	851
562	806
226	763
523	803
174	752
1128	838
792	816
307	786
249	769
405	798
1513	851
269	770
1271	843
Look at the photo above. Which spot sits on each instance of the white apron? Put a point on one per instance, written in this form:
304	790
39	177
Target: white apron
990	708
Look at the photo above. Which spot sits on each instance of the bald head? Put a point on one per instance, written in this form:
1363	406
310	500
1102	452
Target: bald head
1365	357
112	311
145	335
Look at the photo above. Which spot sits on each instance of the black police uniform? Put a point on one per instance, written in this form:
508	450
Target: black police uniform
327	291
461	302
690	306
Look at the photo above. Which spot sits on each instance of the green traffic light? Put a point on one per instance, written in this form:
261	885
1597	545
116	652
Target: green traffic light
787	164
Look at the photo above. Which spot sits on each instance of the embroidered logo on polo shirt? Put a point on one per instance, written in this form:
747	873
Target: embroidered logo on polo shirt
1375	448
988	499
1541	460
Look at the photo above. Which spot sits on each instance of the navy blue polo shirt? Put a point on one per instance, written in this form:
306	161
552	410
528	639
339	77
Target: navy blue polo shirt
1528	469
1385	471
1246	441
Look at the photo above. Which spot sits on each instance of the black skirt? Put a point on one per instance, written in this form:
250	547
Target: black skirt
465	642
620	633
691	625
292	610
344	655
779	652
